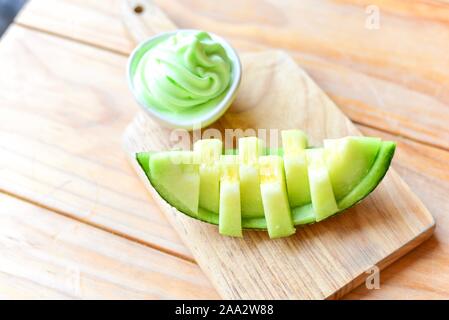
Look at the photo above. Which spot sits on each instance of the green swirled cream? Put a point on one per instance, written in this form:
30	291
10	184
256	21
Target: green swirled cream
183	73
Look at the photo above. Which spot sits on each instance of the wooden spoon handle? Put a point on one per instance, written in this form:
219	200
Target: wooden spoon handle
144	19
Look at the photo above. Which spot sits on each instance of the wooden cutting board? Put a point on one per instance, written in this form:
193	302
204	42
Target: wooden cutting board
324	260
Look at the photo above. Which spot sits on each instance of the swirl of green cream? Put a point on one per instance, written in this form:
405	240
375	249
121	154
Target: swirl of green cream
184	71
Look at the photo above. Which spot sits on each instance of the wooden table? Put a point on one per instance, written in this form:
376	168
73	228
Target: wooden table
74	220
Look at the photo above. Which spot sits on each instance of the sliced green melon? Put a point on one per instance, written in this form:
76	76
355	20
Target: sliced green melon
372	178
175	176
250	148
274	197
208	152
230	217
322	195
294	143
348	160
178	183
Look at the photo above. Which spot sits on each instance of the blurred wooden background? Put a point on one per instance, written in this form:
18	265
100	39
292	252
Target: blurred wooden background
74	220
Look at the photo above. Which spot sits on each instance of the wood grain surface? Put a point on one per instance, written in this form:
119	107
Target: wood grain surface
325	260
63	258
92	34
67	154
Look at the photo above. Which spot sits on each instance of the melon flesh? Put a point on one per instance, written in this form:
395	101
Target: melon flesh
274	197
208	152
294	143
230	218
250	148
348	160
322	195
175	175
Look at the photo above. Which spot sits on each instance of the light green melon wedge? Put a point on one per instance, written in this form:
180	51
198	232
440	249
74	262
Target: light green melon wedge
250	148
274	197
348	160
230	215
322	195
208	153
294	143
175	175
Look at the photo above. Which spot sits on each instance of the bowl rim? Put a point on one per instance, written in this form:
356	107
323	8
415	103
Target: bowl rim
208	117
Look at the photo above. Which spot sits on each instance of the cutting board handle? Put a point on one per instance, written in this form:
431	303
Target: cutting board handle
144	19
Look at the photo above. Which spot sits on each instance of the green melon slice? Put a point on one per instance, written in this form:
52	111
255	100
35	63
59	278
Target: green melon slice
179	184
348	160
250	148
372	178
274	197
176	177
208	152
294	143
323	199
230	217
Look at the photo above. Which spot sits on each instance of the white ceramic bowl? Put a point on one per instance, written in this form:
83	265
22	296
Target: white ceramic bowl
206	118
